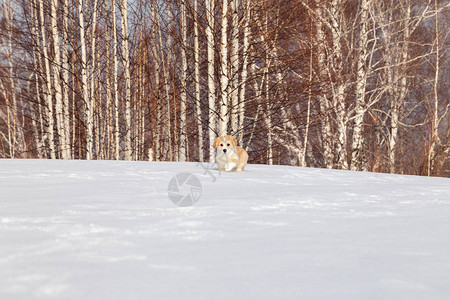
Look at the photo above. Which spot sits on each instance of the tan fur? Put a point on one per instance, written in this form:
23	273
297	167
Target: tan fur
235	157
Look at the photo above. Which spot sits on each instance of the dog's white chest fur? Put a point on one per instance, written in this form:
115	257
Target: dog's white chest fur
224	161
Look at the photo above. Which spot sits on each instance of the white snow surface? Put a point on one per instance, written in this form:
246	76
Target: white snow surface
107	230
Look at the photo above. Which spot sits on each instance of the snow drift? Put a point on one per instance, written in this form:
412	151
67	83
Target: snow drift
108	230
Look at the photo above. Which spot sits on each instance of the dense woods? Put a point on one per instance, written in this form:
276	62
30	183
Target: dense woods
358	85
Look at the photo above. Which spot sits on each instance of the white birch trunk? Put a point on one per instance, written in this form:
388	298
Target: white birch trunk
197	84
211	85
92	87
116	85
168	155
39	129
258	96
75	130
65	74
11	124
97	105
223	118
310	80
7	118
109	91
182	153
244	74
398	96
268	111
338	91
234	57
126	67
358	161
156	61
65	149
140	155
268	121
85	88
323	102
50	119
434	138
394	112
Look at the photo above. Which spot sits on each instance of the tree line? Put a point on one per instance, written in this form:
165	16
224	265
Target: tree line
346	84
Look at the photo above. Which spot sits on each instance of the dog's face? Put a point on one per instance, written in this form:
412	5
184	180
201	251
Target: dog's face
224	144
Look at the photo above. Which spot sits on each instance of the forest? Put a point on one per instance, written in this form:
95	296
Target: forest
343	84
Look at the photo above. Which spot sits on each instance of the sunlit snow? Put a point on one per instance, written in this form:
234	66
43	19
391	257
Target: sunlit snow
108	230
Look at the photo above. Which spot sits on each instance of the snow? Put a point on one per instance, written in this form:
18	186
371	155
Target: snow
108	230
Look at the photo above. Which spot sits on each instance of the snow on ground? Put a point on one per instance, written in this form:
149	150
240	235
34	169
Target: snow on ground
107	230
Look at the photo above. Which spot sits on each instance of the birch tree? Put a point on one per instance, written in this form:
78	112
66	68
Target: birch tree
49	102
115	83
183	153
37	119
234	61
197	83
89	120
157	66
440	111
244	74
56	66
326	135
65	76
11	96
126	67
223	117
211	86
338	88
358	160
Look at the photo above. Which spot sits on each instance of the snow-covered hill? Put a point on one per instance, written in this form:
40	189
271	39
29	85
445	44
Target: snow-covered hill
108	230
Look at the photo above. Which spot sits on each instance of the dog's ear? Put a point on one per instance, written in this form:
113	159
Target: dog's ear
216	143
233	141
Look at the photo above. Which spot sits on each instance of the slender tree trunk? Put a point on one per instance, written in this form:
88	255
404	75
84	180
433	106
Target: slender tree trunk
244	74
11	124
116	85
268	120
39	129
211	77
268	110
140	106
258	96
50	122
197	85
126	67
401	90
234	60
64	148
156	61
92	86
223	119
310	80
84	86
434	137
75	130
65	74
338	95
358	159
183	153
109	91
168	155
324	106
97	104
8	120
341	120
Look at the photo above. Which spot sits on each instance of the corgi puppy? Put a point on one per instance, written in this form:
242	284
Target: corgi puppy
229	156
